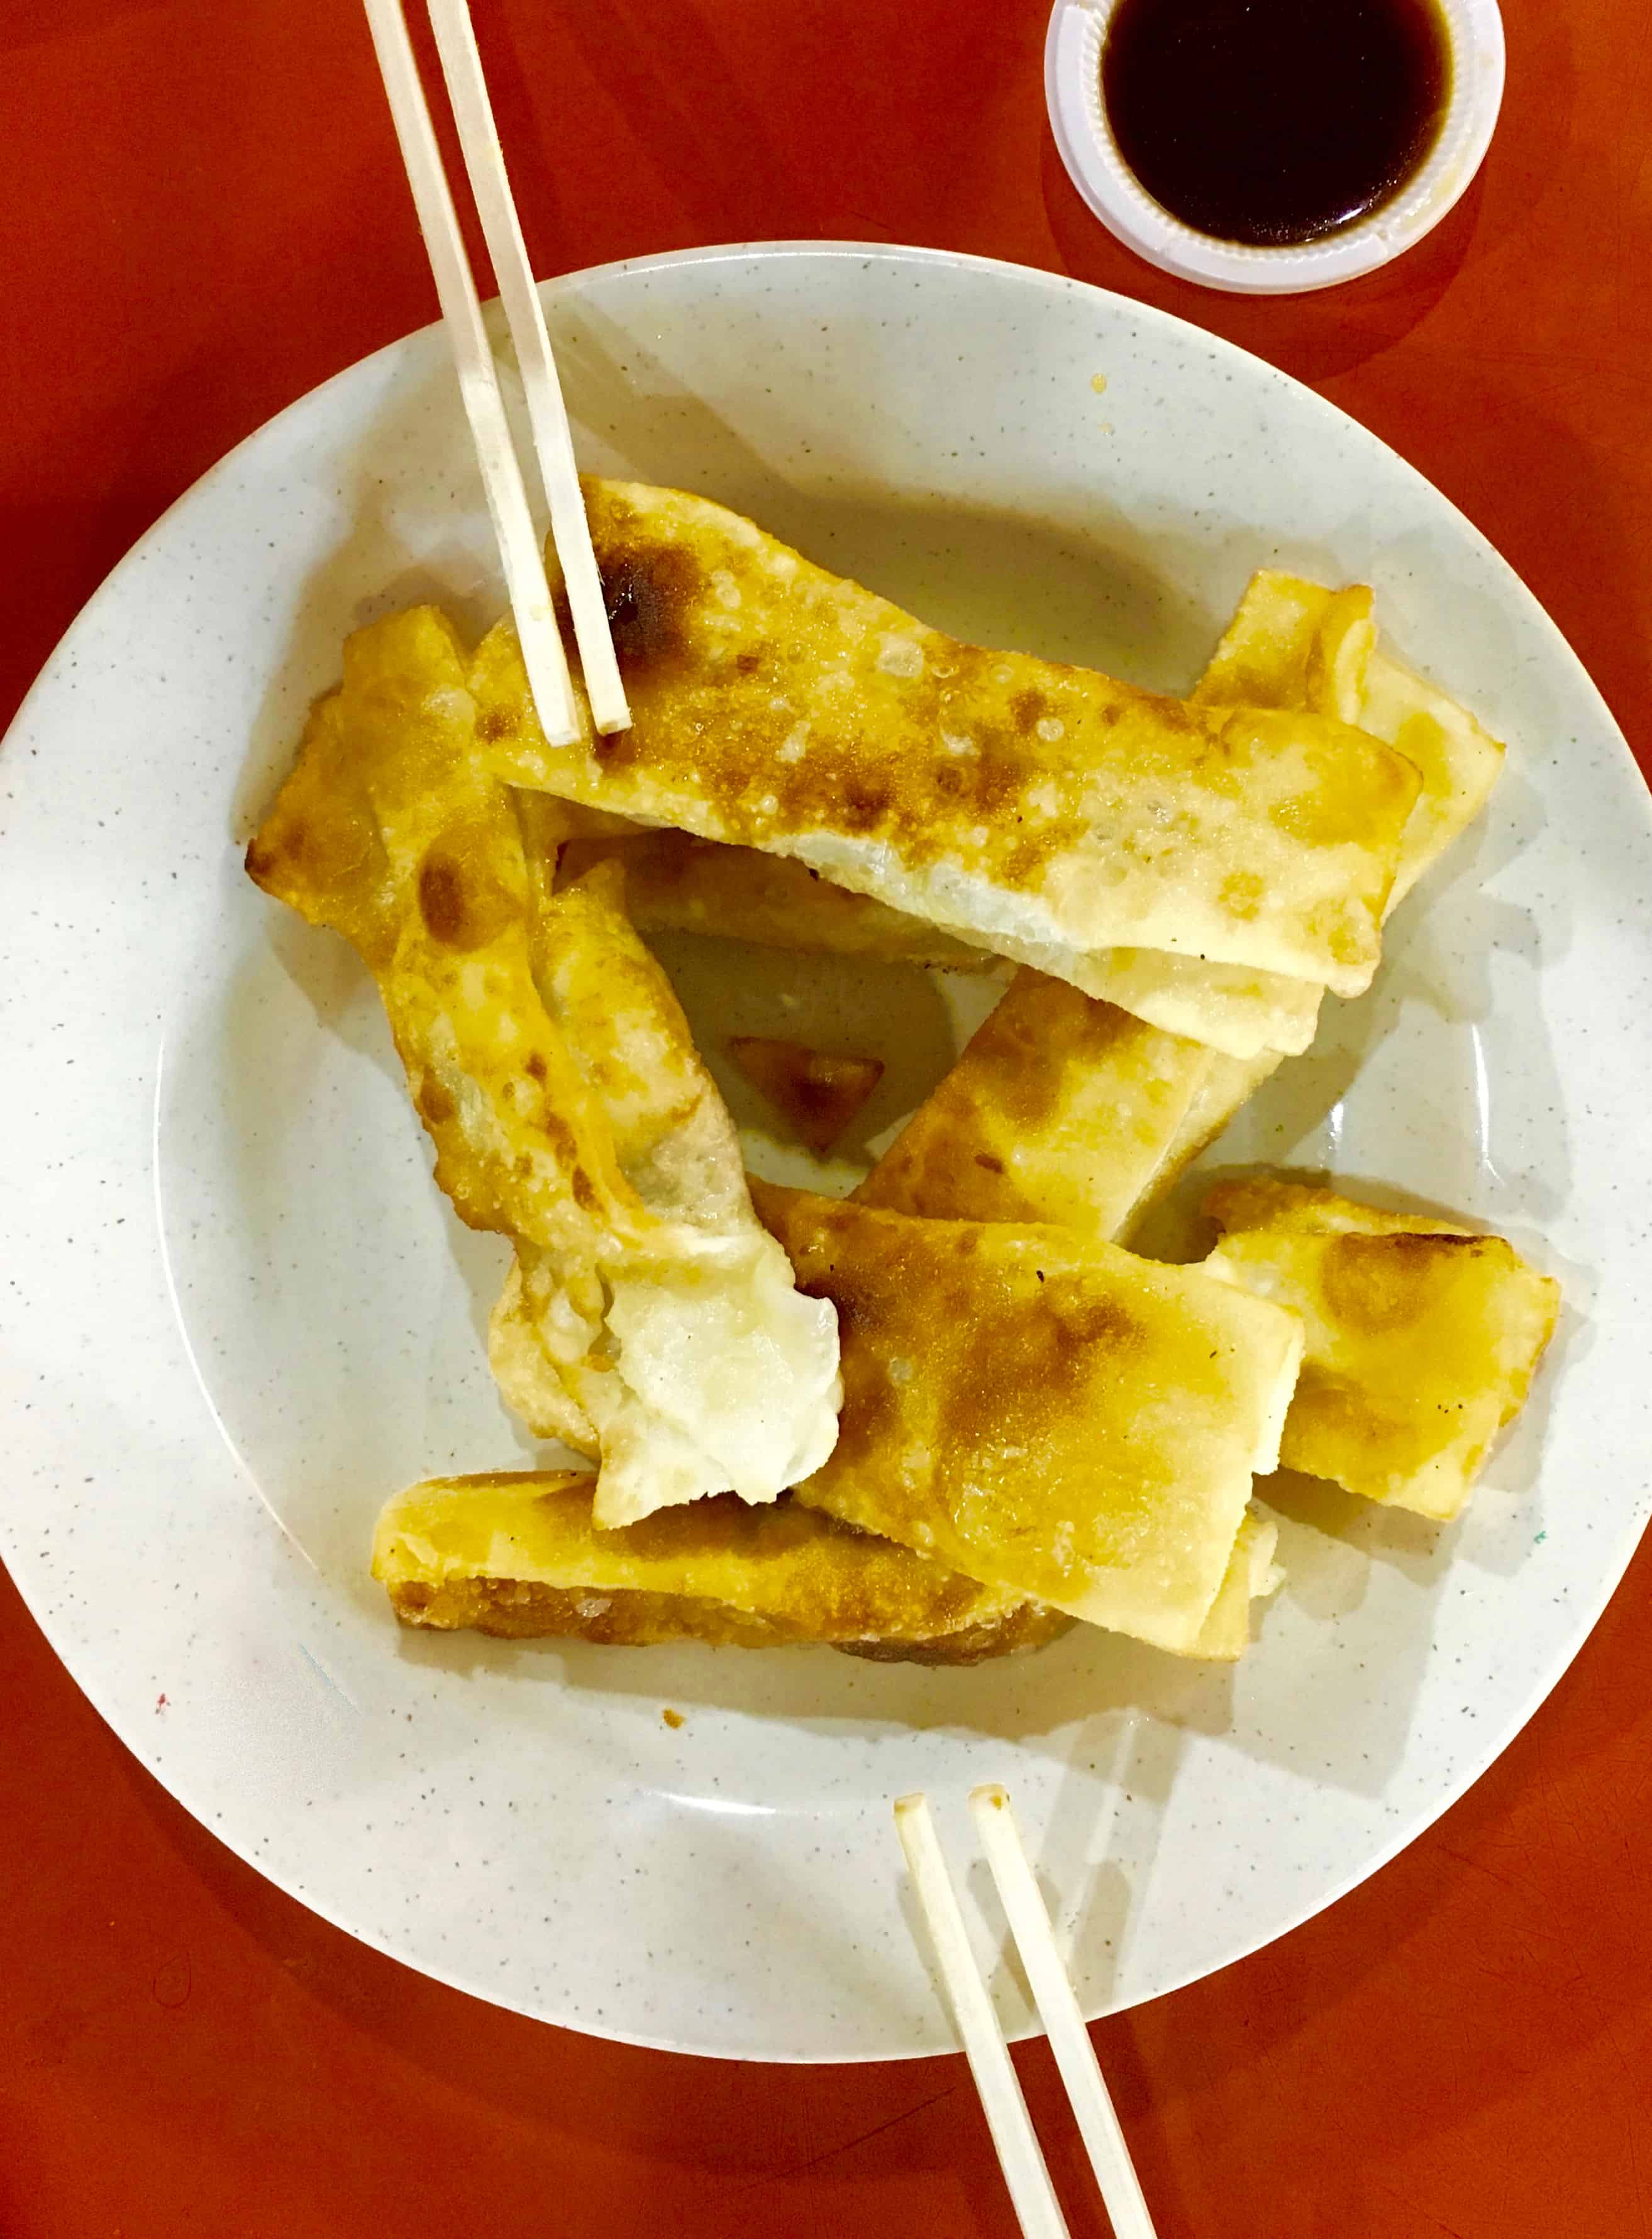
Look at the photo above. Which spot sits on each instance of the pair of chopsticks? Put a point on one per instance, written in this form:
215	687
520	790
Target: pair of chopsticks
543	654
1025	2169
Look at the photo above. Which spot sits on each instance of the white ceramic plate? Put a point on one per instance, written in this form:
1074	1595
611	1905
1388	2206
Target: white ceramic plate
237	1314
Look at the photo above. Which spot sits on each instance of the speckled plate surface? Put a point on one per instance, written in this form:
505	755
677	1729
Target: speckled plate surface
237	1314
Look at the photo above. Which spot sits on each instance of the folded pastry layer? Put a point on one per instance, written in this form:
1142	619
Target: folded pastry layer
1422	1337
997	796
1038	1408
1296	644
1061	1109
675	883
553	1070
518	1554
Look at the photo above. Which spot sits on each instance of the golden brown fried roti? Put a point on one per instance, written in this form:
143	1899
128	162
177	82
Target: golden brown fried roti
1422	1337
1250	1576
388	830
1005	1135
1291	644
1232	1007
1228	1085
675	883
816	1092
518	1554
1038	1408
1296	644
650	1314
1061	1109
1000	797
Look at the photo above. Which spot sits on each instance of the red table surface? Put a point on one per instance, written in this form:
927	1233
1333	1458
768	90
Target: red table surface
207	216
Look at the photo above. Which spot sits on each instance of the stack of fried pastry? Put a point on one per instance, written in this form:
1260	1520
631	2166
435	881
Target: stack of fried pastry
947	1417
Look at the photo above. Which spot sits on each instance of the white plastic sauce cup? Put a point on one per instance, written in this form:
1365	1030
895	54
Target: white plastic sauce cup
1078	118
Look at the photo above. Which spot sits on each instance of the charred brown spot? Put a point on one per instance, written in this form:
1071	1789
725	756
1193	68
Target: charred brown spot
1016	866
649	593
1377	1283
1019	1371
991	1165
436	1105
748	663
496	723
614	750
1026	709
441	900
534	1066
463	904
560	1138
865	807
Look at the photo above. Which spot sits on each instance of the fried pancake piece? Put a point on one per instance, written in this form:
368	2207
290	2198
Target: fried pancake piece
518	1554
1228	1084
1037	1408
548	1058
1228	1007
1422	1337
818	1093
515	1554
1293	643
703	1323
1061	1109
996	795
675	883
1251	1575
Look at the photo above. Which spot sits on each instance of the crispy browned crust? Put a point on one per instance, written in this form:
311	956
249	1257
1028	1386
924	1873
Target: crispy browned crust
1061	1109
1018	1633
817	1092
777	705
1035	1406
1423	1339
517	1609
511	1609
518	1554
675	883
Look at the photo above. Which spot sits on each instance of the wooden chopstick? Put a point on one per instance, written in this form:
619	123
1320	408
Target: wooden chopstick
525	316
1018	2151
1025	2169
525	580
1052	1991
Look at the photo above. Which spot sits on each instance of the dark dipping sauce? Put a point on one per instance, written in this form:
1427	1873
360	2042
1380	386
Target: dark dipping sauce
1275	121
